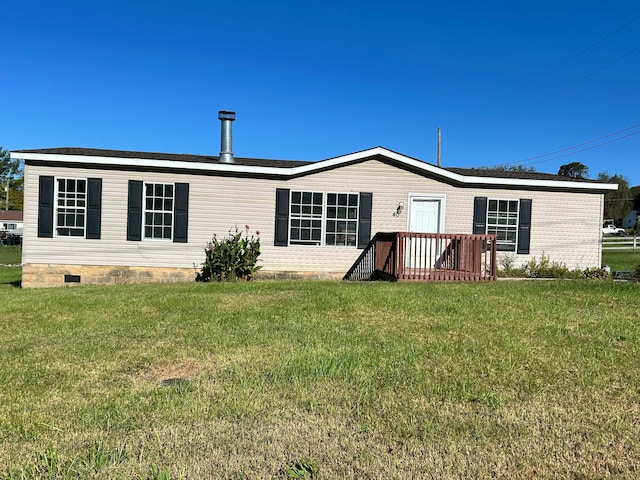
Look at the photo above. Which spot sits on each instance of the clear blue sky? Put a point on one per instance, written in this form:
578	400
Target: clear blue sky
507	81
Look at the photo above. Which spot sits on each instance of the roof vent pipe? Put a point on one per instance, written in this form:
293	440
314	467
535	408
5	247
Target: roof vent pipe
226	155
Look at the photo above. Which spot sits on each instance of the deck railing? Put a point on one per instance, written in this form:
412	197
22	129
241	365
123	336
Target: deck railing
413	256
364	267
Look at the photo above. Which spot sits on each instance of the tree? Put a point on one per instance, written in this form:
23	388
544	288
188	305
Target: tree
635	194
16	199
11	181
616	203
574	170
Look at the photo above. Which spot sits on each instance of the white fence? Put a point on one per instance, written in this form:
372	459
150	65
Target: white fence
620	243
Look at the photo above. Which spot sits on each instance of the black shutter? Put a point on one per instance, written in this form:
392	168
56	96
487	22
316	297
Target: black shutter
524	226
134	211
45	206
364	219
94	207
480	215
181	213
281	237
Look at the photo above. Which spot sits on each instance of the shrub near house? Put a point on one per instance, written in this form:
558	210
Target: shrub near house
232	258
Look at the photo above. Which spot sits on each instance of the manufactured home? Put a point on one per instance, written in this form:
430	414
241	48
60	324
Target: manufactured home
107	216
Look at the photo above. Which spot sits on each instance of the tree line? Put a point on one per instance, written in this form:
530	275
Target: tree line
11	182
616	203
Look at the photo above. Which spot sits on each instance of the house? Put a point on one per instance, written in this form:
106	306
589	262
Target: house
106	216
630	219
11	222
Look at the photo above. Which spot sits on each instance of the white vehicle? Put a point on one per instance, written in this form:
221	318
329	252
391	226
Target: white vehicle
611	229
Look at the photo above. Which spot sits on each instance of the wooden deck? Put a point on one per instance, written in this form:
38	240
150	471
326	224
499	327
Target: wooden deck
422	257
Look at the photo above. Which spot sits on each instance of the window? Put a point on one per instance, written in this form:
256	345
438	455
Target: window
342	219
323	218
502	221
10	226
509	220
306	218
71	207
158	211
316	218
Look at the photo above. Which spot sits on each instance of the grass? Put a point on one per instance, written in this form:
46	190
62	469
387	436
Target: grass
10	270
321	380
621	260
10	255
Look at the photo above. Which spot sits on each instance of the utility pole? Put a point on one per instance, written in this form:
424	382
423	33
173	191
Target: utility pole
439	142
6	191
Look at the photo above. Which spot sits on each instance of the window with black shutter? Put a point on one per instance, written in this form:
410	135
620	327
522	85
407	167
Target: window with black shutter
69	207
158	211
508	219
322	218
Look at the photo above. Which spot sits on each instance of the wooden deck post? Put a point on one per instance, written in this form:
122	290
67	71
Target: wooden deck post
415	256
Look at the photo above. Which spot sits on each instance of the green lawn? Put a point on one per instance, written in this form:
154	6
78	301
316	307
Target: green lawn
623	260
525	379
10	255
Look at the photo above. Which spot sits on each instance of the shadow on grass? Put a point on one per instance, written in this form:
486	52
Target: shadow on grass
10	276
11	283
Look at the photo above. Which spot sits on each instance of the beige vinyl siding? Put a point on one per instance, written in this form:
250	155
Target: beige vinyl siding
565	226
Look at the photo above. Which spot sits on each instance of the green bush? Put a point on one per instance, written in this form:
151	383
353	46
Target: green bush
545	268
508	269
234	257
596	273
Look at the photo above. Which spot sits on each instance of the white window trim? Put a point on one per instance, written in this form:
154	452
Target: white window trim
323	219
517	229
144	212
56	194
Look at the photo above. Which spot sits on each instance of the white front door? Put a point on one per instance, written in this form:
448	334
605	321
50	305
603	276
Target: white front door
425	216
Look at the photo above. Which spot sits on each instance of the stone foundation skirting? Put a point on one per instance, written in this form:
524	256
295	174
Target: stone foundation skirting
39	275
48	275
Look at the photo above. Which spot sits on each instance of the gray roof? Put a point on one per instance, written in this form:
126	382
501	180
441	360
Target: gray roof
261	162
487	172
178	157
11	215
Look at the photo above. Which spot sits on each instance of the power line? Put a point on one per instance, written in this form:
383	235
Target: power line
582	52
546	97
599	42
555	152
587	149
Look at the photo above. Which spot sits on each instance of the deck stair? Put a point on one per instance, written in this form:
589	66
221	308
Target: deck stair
423	257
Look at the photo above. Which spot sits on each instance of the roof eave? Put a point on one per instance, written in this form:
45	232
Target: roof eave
152	163
316	166
521	182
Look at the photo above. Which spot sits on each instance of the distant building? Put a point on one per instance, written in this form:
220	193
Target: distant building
11	222
630	219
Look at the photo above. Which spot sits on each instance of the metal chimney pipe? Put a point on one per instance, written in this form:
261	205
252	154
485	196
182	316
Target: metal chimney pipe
226	155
